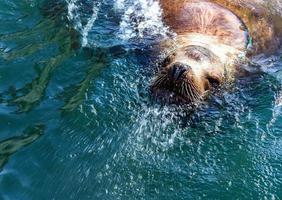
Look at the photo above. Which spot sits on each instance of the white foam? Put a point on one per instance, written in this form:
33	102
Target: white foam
119	4
141	18
277	109
75	17
89	25
272	65
73	14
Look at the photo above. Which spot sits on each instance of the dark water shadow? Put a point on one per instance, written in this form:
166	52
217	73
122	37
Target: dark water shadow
100	58
36	89
10	146
66	41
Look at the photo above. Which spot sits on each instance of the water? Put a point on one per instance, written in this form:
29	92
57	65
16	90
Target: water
76	120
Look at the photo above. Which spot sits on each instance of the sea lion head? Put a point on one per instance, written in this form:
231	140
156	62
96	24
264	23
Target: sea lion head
186	74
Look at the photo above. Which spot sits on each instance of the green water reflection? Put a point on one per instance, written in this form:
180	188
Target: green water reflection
10	146
78	123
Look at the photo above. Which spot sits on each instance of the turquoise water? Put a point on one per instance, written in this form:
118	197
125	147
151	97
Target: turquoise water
77	122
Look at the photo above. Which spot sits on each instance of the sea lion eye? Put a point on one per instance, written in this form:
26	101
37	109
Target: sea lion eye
195	55
213	80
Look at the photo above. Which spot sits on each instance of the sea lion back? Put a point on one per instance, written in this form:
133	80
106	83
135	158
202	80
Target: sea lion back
205	18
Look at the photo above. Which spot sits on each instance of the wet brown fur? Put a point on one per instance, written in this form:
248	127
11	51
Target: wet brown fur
264	27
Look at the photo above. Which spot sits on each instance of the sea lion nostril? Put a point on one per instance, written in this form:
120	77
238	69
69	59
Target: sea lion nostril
177	70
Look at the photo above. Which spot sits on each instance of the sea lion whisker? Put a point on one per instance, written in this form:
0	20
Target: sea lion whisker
192	84
194	90
159	80
183	88
188	91
194	87
191	93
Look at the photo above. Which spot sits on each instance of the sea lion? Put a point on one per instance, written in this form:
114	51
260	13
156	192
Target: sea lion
211	39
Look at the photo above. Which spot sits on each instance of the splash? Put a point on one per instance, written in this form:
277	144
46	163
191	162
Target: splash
272	65
119	4
75	15
140	19
90	23
277	110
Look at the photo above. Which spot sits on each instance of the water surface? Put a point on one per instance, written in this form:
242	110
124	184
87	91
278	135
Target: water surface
77	122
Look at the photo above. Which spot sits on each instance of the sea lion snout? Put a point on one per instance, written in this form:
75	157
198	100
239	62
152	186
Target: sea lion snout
177	70
186	74
177	82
